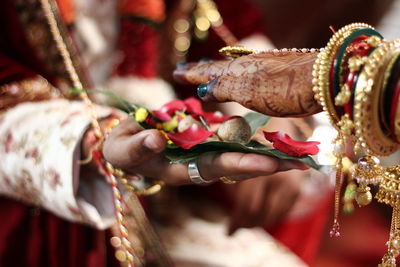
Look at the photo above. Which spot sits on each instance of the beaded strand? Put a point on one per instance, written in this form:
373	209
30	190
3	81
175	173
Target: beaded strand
106	169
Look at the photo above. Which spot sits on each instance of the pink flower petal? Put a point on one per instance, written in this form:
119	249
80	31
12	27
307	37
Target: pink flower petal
190	137
286	144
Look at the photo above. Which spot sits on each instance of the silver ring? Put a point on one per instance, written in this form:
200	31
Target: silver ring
194	173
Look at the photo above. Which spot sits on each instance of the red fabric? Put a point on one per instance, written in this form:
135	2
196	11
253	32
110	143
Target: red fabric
35	238
138	44
14	44
243	18
303	236
10	71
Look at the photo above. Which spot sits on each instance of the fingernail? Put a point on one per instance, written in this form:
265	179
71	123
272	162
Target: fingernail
151	143
181	64
205	59
292	164
205	91
202	90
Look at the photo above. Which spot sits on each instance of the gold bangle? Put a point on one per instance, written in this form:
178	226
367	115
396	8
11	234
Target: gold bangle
122	177
388	71
321	71
367	125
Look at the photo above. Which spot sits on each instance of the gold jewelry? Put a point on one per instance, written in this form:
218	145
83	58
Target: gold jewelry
321	71
388	71
238	51
368	130
154	188
227	180
388	193
344	126
367	171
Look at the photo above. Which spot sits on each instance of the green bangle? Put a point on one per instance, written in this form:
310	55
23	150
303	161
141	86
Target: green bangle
337	65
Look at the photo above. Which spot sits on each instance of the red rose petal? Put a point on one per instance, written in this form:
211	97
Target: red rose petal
150	121
215	117
193	106
286	144
172	106
162	116
190	137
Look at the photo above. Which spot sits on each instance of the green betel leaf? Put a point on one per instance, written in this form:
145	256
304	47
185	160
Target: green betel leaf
122	104
179	155
256	120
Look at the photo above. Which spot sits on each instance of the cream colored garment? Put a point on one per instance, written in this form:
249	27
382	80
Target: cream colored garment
200	243
39	151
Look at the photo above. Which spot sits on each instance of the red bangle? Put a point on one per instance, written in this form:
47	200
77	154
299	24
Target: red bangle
348	107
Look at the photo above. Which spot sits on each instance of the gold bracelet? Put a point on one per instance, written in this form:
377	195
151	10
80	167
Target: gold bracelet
389	189
388	72
123	178
367	125
321	71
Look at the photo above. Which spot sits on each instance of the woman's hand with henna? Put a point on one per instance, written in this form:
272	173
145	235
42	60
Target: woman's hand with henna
276	85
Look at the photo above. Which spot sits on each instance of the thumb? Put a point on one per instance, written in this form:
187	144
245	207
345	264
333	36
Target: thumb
129	145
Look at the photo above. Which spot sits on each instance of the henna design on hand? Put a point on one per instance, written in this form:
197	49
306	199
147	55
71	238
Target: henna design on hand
276	85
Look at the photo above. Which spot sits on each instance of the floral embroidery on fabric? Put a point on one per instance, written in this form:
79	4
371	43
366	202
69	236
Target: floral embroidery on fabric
37	152
9	144
34	154
26	189
53	178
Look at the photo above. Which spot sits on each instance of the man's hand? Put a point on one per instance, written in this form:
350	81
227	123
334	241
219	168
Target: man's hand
136	150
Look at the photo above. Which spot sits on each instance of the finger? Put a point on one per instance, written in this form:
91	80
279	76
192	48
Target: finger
198	73
127	148
127	126
213	166
240	166
275	86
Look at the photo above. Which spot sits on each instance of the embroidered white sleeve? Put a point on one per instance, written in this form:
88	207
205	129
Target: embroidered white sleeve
39	148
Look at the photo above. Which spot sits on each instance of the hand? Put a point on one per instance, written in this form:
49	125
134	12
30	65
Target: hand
135	150
276	85
264	201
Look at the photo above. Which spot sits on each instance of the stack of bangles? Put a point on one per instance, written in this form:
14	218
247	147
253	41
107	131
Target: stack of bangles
356	79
